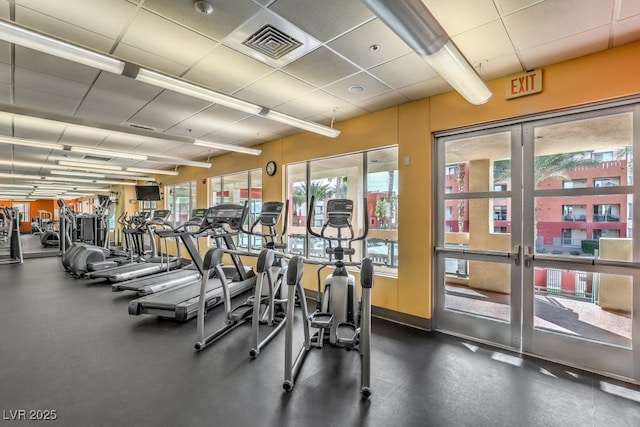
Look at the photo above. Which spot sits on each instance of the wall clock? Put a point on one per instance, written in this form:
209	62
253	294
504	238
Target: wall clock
271	168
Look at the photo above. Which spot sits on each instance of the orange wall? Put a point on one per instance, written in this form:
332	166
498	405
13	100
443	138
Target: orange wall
590	79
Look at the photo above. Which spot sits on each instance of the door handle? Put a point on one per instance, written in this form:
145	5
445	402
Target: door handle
517	252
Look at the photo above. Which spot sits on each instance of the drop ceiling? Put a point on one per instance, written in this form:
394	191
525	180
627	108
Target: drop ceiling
97	109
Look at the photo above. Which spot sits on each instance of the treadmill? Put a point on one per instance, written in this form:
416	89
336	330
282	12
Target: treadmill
147	266
222	222
159	282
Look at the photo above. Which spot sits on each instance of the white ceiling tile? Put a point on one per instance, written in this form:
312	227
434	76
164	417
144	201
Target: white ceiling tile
325	19
628	8
127	86
499	67
5	52
43	101
5	93
372	87
4	9
386	100
549	21
484	43
356	44
149	60
206	121
159	36
50	65
50	84
462	15
274	89
320	67
511	6
60	29
5	73
226	70
312	104
226	15
168	109
42	130
403	71
569	47
109	107
434	86
627	30
86	14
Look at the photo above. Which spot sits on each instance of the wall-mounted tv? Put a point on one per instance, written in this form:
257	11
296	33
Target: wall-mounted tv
148	192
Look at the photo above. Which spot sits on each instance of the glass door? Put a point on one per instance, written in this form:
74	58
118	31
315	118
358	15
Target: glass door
478	229
535	245
580	258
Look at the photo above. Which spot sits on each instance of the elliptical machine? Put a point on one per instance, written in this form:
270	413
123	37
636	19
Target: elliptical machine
267	304
338	317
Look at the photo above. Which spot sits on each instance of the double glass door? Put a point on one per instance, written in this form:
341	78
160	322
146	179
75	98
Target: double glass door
534	238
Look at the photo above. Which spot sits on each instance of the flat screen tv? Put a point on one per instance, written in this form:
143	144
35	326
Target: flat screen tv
148	192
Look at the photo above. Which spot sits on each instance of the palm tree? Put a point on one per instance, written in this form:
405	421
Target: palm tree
550	166
317	190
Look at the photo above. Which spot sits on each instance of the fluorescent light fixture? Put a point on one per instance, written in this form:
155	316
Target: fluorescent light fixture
190	89
210	95
108	153
228	147
18	176
417	27
302	124
30	143
205	165
75	173
102	181
87	165
12	33
15	186
159	172
65	179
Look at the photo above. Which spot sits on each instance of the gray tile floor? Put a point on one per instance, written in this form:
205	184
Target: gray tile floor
69	346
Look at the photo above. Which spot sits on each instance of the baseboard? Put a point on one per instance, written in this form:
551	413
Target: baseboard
402	318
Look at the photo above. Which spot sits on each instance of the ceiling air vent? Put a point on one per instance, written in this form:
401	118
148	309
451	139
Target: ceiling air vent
271	39
95	158
272	42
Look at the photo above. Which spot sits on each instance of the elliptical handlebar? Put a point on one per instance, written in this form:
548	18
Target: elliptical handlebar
321	235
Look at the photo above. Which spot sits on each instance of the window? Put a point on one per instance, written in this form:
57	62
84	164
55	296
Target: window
24	211
502	230
500	187
606	182
606	213
574	213
452	170
575	183
181	200
499	213
605	156
239	188
370	177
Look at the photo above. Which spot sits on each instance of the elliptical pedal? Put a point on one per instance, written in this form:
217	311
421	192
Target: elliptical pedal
347	334
320	320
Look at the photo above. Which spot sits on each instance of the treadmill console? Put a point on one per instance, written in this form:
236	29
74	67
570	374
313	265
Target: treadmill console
161	215
225	214
339	213
271	213
197	217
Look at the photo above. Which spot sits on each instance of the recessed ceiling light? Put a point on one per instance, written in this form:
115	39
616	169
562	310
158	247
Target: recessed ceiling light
204	7
374	48
357	89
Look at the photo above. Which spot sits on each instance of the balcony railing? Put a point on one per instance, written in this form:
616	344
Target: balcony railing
605	218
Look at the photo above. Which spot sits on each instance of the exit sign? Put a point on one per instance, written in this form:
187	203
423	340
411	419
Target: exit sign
523	84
